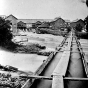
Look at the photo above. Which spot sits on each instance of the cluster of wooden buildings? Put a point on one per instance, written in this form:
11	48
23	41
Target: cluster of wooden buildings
58	23
23	22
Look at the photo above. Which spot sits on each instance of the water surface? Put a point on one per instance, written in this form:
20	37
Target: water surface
25	62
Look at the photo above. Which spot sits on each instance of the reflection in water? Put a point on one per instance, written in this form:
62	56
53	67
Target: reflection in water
25	62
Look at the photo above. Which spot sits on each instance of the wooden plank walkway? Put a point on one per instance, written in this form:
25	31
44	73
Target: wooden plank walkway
61	68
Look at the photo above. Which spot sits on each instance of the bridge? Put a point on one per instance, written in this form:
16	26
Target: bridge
64	68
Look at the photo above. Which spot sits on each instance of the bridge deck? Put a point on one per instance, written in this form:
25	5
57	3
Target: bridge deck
47	72
74	66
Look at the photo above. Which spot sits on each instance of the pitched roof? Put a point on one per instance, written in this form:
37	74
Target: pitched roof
34	20
45	25
30	20
12	16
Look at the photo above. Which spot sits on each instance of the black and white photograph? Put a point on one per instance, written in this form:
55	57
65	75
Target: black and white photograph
43	43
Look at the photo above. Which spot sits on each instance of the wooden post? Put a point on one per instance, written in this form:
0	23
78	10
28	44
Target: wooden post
27	84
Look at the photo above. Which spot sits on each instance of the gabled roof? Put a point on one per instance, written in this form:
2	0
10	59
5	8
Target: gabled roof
60	19
21	22
44	25
30	20
34	20
38	22
12	16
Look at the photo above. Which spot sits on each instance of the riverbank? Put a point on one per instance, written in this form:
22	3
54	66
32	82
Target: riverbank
19	56
46	42
31	48
24	62
31	43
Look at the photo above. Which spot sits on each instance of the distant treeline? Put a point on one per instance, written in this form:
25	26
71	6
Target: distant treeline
83	35
53	32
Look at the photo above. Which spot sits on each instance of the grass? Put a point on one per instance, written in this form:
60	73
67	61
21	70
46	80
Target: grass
51	31
29	49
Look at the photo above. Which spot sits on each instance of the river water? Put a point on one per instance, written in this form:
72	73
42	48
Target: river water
24	62
30	62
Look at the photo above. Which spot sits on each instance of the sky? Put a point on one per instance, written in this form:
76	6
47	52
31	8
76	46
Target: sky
44	9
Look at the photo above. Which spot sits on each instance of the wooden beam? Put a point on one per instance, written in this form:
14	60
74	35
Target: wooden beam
61	68
57	82
50	78
70	51
63	63
36	77
75	79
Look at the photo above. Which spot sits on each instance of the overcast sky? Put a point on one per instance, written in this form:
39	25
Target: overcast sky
44	9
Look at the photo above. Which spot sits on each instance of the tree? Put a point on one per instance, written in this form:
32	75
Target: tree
86	19
87	3
5	33
86	23
68	29
78	27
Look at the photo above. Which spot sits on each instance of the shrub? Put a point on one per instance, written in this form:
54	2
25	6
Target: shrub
5	33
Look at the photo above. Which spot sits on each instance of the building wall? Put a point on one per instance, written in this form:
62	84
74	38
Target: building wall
28	25
14	23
